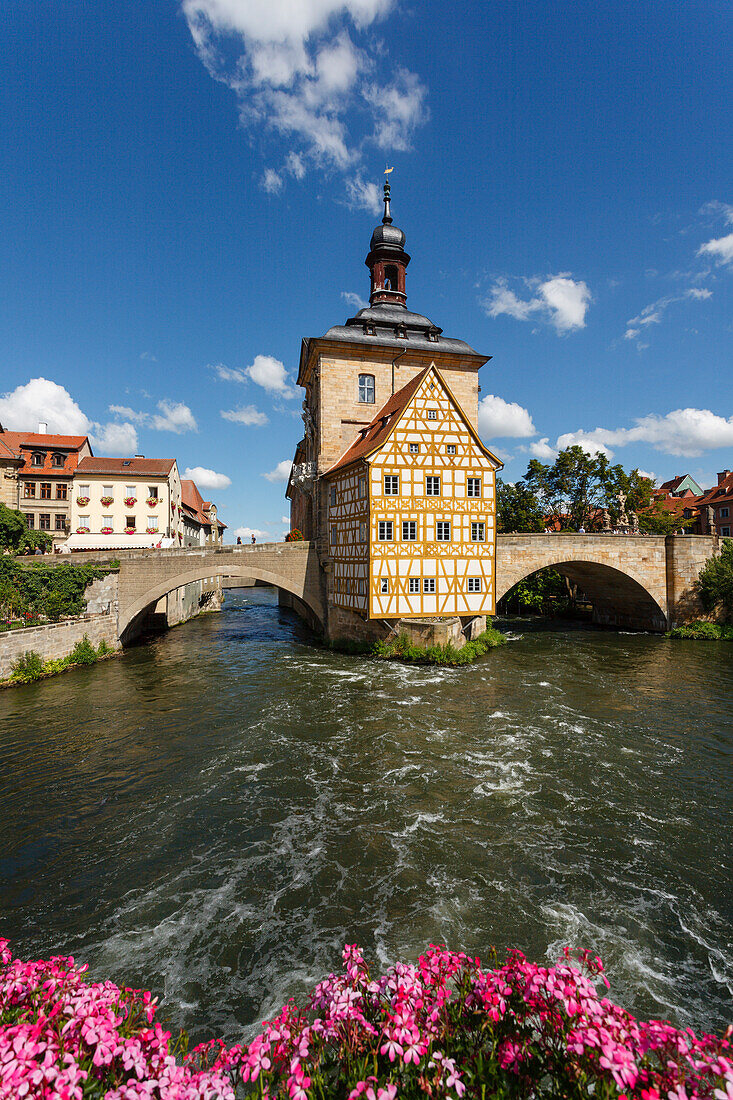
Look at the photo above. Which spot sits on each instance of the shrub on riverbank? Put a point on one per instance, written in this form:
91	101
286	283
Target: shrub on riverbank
30	666
715	583
45	590
445	1027
402	649
703	631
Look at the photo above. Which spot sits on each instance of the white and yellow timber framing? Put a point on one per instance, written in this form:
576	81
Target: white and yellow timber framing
424	575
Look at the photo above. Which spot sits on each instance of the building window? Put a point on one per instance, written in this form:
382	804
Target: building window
29	489
362	488
107	521
414	448
57	460
442	531
30	519
724	513
366	389
474	584
37	459
334	534
432	414
414	584
129	491
384	585
362	532
386	533
725	532
360	587
473	487
44	521
107	491
61	490
60	521
152	492
391	485
478	532
409	530
130	521
153	522
45	490
432	486
83	491
333	494
428	584
450	448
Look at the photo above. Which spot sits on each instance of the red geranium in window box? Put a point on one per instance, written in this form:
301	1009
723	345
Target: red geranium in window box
82	530
152	502
107	500
130	530
82	501
129	501
106	530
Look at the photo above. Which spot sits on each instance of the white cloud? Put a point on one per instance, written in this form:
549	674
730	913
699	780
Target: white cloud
114	439
228	374
272	183
149	356
652	314
559	300
207	479
247	532
281	471
172	416
245	414
363	194
270	373
720	248
541	449
354	300
502	419
285	519
687	432
298	71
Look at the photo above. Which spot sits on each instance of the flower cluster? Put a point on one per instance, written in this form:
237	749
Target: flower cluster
444	1027
129	501
152	502
294	536
82	530
107	500
130	530
82	501
151	530
106	530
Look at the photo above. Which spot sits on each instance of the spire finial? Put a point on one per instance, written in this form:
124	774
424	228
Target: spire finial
387	219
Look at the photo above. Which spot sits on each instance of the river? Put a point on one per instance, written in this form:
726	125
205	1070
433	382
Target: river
216	813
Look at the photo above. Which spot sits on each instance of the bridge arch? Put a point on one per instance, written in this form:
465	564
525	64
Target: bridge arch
619	598
249	571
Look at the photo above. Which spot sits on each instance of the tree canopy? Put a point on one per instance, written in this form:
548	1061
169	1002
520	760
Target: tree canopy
715	583
15	534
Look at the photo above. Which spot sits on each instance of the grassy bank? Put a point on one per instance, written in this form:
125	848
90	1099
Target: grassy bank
31	666
402	649
703	632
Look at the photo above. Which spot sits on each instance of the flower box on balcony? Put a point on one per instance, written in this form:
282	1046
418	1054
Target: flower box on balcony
106	530
152	502
130	530
129	501
151	530
82	530
108	500
82	501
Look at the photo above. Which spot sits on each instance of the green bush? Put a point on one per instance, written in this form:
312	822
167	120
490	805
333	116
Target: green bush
27	668
44	589
702	631
402	649
715	583
83	653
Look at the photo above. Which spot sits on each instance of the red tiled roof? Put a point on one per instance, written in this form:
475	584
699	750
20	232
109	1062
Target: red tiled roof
27	443
138	467
718	493
193	503
34	439
6	451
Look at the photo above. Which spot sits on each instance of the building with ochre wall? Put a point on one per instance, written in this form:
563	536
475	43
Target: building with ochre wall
126	503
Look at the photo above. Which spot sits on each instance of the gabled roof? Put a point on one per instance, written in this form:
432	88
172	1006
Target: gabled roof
720	493
45	441
681	483
7	452
376	433
134	467
195	506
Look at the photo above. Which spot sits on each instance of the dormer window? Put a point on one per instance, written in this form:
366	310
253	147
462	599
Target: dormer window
433	335
369	330
366	389
401	332
38	458
57	460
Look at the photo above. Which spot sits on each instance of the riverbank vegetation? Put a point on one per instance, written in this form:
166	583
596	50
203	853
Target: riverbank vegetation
703	632
401	648
445	1026
30	666
37	591
715	583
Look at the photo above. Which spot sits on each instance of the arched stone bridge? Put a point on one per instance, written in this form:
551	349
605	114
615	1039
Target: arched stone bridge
635	582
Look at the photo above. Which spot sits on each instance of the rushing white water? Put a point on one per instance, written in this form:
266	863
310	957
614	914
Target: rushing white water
214	815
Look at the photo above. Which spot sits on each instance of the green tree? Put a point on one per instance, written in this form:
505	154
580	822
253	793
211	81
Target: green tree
578	487
517	508
13	528
656	520
715	583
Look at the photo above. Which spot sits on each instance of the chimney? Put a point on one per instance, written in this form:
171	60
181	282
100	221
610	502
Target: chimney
722	476
139	456
42	428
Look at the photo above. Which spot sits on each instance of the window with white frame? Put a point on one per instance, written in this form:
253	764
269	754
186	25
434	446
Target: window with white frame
442	530
473	487
432	414
107	491
474	584
478	532
366	389
414	584
152	492
383	585
334	534
385	530
107	521
83	521
153	522
428	584
130	521
414	448
450	448
129	490
391	485
83	491
432	486
409	530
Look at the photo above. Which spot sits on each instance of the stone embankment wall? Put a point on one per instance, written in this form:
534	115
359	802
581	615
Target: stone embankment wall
54	640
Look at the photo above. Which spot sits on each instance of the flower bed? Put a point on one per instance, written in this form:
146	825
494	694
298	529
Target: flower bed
445	1027
129	501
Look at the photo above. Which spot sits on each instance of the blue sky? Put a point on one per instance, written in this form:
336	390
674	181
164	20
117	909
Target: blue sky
187	189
